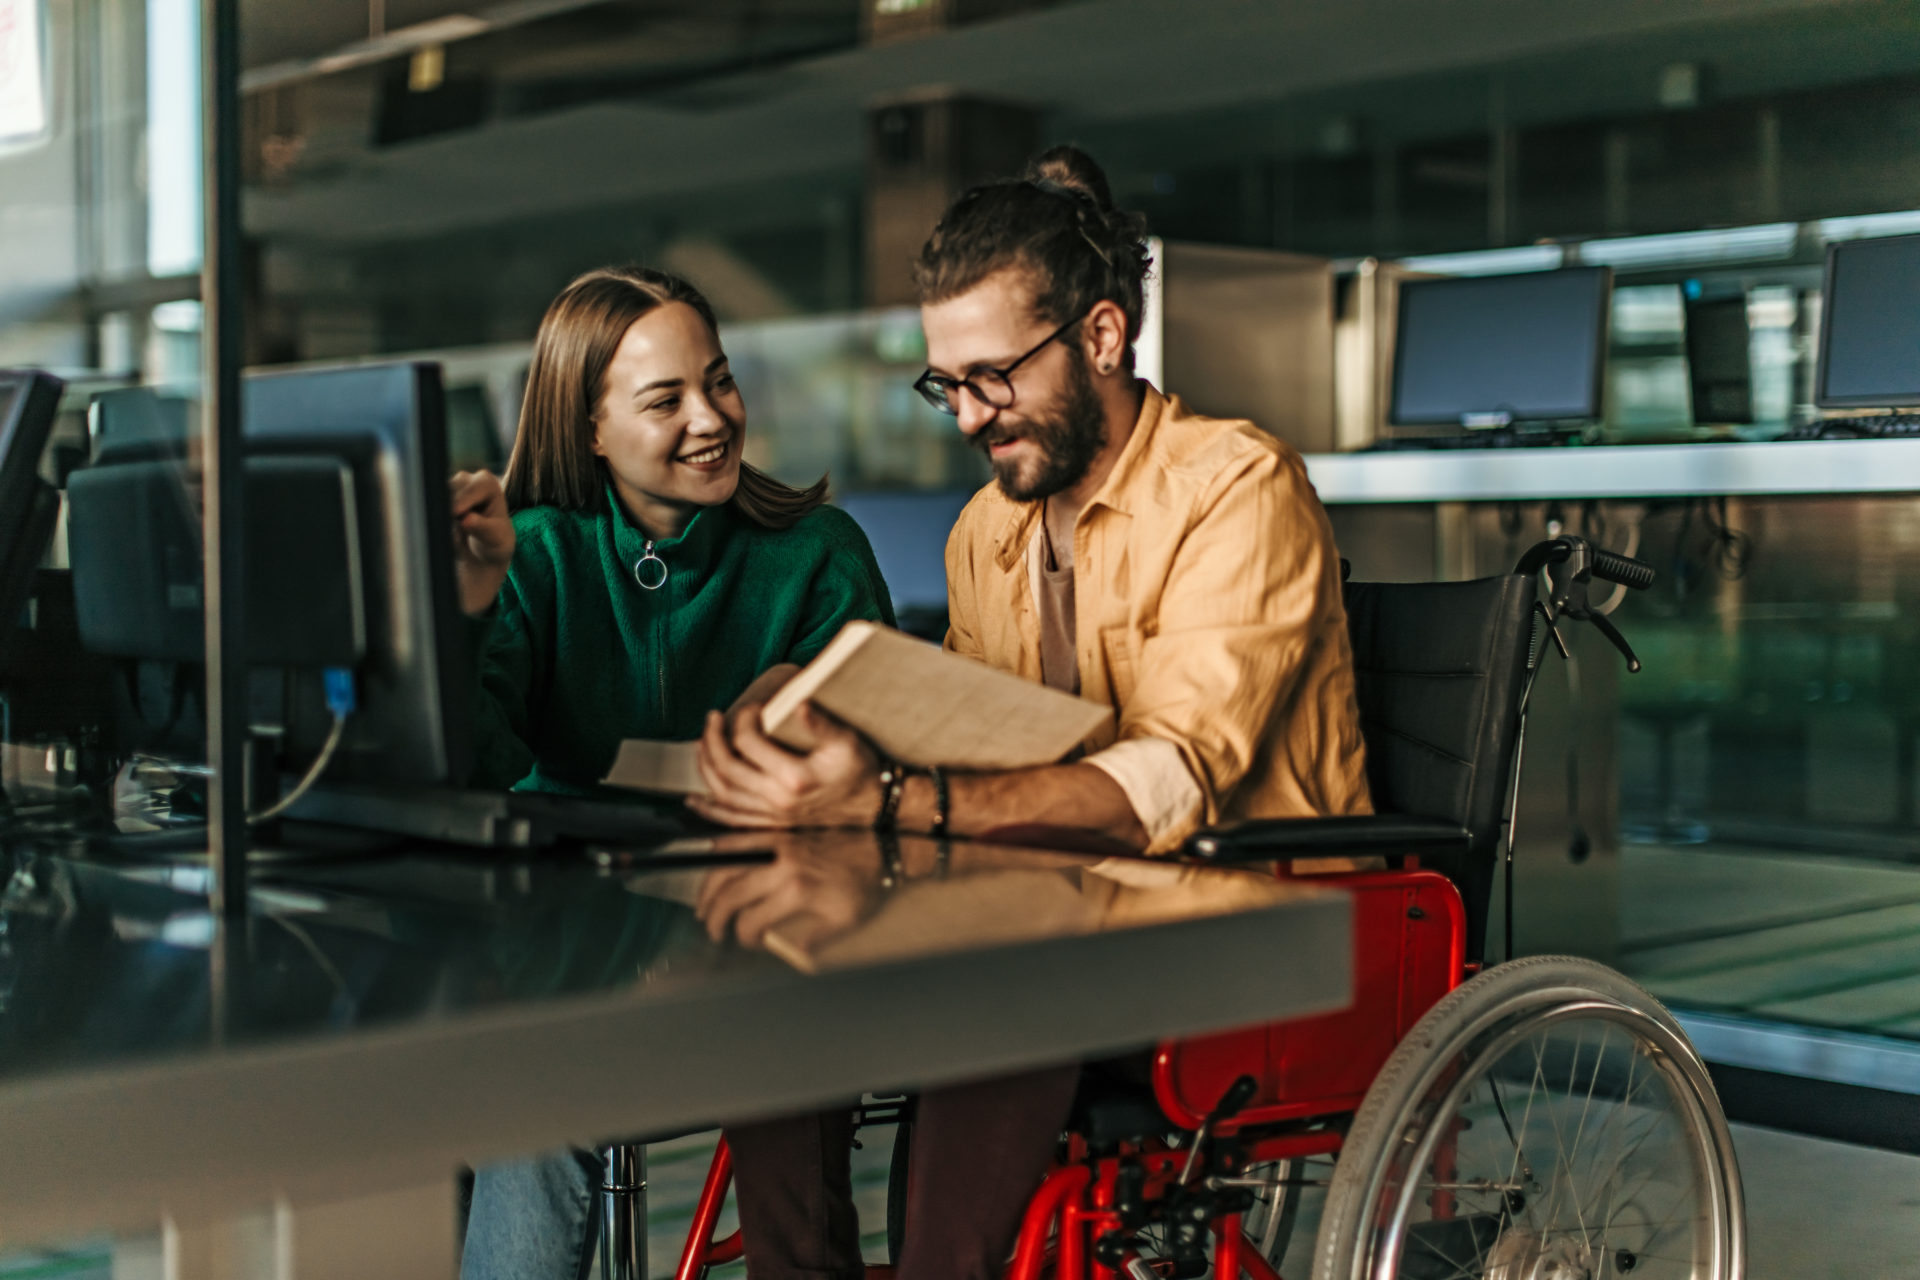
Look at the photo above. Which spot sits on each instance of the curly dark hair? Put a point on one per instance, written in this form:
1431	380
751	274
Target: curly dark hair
1056	222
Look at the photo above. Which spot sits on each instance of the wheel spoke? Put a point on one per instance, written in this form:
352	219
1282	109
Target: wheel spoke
1588	1176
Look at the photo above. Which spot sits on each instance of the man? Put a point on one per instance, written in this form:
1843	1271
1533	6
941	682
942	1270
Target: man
1174	567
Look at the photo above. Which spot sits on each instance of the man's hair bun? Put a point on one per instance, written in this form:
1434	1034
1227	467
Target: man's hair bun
1071	170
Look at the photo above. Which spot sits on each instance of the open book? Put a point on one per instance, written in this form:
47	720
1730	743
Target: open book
913	700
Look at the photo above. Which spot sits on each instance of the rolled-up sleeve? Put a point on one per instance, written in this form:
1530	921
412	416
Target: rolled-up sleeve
1158	785
1251	590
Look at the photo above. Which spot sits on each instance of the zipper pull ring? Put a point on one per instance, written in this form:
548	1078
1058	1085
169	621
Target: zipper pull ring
650	571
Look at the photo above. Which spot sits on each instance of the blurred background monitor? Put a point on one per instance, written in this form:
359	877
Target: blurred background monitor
1719	359
1496	350
473	438
28	505
909	536
138	422
1870	325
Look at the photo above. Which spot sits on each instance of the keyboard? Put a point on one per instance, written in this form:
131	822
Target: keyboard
1879	426
490	819
1498	439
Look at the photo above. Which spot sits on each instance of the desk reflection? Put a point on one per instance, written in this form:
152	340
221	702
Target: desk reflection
102	964
834	899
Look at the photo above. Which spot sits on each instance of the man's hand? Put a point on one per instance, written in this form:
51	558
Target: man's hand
753	781
482	538
824	890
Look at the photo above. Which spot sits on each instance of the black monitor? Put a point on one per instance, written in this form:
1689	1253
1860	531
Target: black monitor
348	564
28	505
1870	325
1495	350
1719	359
413	722
909	531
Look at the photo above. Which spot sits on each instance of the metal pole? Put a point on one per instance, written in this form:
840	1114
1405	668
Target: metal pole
220	296
623	1212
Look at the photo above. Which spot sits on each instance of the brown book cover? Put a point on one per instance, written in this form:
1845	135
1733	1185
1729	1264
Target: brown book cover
915	701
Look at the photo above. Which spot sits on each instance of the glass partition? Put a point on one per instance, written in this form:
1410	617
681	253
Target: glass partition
101	675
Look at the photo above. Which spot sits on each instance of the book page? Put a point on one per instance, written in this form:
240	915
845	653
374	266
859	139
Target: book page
665	768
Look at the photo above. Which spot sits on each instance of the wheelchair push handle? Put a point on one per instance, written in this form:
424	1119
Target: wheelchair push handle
1571	563
1583	561
1611	566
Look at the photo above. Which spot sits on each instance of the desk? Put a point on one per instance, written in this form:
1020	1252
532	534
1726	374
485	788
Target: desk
374	1025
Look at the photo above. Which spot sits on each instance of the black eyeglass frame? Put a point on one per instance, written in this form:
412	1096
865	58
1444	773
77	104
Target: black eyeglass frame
937	389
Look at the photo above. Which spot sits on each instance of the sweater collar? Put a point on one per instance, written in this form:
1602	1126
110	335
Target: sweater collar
695	547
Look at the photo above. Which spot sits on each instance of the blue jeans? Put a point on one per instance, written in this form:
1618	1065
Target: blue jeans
536	1219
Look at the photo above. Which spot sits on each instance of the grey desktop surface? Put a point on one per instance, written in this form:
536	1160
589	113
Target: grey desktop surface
373	1027
1619	471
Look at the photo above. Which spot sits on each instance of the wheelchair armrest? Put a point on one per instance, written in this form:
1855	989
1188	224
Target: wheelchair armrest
1356	836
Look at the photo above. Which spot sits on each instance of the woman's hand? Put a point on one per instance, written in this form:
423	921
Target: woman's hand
753	781
482	538
824	890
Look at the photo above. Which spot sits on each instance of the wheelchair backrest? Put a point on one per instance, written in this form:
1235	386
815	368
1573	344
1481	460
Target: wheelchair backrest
1440	668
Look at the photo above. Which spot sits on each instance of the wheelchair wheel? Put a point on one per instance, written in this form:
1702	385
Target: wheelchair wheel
1268	1226
1546	1121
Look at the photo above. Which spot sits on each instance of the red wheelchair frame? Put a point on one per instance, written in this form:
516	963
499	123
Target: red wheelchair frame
1409	950
1285	1090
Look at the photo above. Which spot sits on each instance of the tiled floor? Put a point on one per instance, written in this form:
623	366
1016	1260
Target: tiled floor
1816	1211
1801	938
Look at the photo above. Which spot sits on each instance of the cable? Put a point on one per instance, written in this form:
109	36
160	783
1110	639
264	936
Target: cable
1732	549
340	701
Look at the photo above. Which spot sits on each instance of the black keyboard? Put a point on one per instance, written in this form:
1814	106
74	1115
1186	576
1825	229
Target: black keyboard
491	819
1504	438
1879	426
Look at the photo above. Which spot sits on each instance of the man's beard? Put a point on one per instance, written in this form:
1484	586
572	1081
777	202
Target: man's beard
1067	440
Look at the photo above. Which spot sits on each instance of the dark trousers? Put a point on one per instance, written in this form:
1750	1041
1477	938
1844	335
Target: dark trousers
979	1150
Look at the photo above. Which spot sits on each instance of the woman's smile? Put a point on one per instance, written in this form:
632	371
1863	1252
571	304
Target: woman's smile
709	458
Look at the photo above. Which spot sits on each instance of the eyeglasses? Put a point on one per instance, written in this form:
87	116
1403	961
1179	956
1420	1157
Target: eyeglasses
991	387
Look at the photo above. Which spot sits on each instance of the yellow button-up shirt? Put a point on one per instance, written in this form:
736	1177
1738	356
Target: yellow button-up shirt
1208	614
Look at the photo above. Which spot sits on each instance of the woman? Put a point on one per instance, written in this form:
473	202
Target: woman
646	577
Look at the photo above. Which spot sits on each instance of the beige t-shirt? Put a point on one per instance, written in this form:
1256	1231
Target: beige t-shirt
1053	594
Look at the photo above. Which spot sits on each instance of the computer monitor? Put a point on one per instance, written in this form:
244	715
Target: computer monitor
28	505
348	563
413	722
1719	359
1870	325
1495	350
909	531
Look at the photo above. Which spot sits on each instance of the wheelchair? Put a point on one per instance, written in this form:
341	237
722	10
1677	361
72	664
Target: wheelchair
1539	1119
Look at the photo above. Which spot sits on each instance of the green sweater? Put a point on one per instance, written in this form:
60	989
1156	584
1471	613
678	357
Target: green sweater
579	656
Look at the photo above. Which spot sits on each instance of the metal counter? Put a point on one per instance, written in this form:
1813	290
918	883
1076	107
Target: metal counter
1774	468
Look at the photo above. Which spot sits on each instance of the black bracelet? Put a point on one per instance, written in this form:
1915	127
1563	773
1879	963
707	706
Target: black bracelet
893	781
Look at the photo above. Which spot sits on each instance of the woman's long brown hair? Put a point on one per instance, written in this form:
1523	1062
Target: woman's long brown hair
553	462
